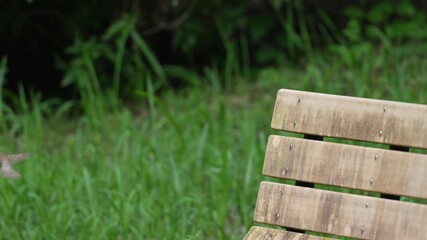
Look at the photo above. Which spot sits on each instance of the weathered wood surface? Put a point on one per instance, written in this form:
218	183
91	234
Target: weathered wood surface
263	233
393	123
370	169
339	214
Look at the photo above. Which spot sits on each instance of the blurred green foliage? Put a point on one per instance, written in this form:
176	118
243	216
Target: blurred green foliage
397	21
121	45
142	160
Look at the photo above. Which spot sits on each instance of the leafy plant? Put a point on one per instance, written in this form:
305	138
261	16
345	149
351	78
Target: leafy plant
115	64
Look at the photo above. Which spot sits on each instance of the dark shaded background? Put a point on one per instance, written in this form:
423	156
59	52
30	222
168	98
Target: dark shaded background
34	34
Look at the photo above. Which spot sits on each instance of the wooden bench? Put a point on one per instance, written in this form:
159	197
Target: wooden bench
368	186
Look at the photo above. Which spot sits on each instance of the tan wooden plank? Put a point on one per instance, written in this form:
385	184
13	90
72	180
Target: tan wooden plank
370	169
339	214
263	233
379	121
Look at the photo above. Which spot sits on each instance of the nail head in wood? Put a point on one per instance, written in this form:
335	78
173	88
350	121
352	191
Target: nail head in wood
286	171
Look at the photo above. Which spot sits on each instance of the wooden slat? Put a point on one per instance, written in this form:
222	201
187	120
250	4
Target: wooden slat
393	123
339	214
263	233
370	169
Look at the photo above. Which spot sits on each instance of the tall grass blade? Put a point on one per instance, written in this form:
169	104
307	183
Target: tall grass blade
150	56
121	47
165	109
231	62
184	74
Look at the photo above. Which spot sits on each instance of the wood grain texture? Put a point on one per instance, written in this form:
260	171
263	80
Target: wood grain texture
387	122
339	214
370	169
263	233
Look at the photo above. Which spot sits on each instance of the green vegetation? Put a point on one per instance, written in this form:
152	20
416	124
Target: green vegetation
174	164
182	165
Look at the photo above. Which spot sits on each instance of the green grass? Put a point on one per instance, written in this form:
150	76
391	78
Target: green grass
181	165
136	175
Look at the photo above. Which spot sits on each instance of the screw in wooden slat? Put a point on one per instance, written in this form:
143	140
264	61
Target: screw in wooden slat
286	171
385	109
376	157
371	181
295	123
380	133
366	205
290	146
299	99
362	229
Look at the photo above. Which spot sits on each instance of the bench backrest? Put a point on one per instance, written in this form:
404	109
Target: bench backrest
383	174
